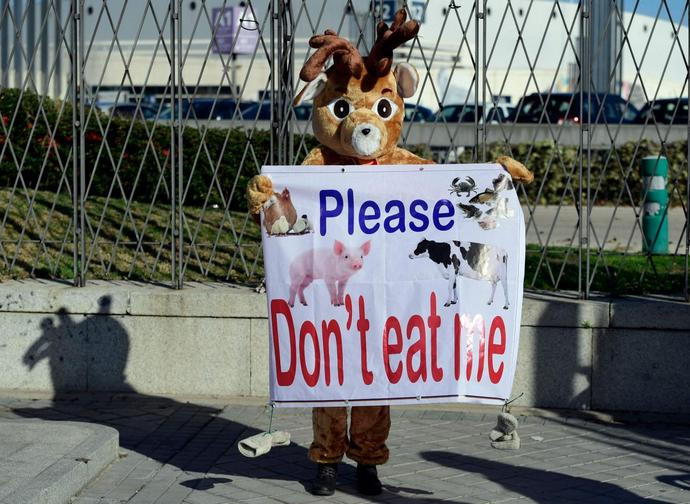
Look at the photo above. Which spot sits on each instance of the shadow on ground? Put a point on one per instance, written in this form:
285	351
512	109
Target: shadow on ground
198	439
535	484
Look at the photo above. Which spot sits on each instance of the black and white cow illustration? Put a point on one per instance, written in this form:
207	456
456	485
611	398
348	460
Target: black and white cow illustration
467	259
442	255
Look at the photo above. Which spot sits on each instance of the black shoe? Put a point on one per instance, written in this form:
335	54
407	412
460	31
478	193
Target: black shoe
368	482
324	484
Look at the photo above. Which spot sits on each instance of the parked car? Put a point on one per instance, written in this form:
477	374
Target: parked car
262	112
128	110
221	109
558	108
457	113
417	113
210	109
465	113
501	112
303	111
664	111
259	111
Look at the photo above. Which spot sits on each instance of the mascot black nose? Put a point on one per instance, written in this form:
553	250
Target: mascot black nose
366	131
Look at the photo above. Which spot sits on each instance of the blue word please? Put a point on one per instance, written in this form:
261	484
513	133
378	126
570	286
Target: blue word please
369	215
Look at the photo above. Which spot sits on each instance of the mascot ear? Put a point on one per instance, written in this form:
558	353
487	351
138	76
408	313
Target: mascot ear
311	90
406	78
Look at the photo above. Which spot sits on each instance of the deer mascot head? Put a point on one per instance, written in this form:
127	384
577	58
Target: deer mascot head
358	102
358	105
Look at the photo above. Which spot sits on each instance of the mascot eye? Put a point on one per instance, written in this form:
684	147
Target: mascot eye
385	108
340	108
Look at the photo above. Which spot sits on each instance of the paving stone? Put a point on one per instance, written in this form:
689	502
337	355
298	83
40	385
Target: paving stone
185	453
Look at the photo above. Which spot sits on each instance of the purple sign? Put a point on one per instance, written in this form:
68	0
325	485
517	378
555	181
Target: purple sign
236	30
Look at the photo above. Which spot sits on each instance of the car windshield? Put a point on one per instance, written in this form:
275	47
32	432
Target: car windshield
459	113
215	109
449	113
416	113
665	111
260	111
149	112
302	112
130	110
561	105
495	114
613	110
532	106
167	113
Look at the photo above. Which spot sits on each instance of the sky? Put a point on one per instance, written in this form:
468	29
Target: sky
650	8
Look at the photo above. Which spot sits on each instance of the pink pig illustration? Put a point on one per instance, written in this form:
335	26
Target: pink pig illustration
335	265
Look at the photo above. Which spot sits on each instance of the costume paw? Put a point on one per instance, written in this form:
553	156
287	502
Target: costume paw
259	190
517	170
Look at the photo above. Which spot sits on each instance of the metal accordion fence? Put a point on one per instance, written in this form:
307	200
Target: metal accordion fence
130	129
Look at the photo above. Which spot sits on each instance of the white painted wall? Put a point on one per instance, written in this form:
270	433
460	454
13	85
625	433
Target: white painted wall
548	46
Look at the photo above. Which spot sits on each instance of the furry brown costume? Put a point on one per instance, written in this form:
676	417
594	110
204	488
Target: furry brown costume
357	118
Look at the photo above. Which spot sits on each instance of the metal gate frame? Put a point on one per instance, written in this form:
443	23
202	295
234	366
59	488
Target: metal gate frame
281	57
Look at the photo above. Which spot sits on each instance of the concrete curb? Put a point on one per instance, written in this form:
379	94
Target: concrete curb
63	479
196	300
218	300
211	339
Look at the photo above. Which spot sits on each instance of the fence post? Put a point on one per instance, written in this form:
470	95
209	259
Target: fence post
580	88
175	146
17	57
281	82
180	151
275	136
588	183
484	107
478	14
82	142
585	146
76	133
57	40
174	112
287	76
4	44
687	180
78	146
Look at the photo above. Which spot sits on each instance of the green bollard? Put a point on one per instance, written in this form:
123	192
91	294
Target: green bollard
655	215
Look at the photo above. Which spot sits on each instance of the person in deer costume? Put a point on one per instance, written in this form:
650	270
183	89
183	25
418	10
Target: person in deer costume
357	118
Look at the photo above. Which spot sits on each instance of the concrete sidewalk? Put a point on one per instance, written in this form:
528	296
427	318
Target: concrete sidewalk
175	451
44	462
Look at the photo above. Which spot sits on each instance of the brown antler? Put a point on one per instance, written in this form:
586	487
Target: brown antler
380	57
346	57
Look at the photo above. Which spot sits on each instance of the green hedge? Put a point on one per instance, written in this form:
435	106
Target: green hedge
140	151
609	169
141	160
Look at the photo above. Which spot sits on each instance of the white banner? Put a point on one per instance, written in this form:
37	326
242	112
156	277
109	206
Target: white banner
392	284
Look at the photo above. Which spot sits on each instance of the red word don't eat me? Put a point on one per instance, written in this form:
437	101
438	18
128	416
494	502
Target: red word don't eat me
401	345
